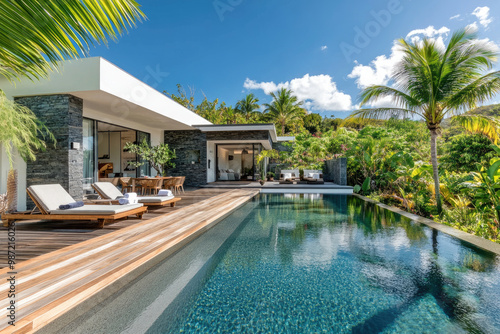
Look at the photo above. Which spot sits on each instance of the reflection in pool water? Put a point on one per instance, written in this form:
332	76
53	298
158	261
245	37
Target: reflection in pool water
325	263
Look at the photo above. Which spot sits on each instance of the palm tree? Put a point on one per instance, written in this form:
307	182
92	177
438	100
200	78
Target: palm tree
432	83
284	109
248	107
35	34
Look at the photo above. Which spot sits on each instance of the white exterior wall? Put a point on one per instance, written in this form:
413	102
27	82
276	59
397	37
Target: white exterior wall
20	166
211	157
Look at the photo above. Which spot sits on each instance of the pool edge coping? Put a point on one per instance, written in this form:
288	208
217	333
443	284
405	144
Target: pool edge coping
480	242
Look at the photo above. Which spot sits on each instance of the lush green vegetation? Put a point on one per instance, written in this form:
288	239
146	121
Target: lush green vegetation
390	160
433	83
416	165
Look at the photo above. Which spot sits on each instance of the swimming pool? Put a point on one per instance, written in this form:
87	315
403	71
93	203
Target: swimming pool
309	263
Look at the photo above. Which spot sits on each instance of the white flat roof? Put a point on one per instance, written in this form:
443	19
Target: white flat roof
239	127
107	89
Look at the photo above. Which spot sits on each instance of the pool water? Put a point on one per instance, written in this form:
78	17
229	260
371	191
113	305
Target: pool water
311	263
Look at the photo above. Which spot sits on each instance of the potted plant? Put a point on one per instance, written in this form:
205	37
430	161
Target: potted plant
160	157
270	176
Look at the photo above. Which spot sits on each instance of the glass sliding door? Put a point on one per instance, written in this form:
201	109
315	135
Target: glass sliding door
89	154
144	170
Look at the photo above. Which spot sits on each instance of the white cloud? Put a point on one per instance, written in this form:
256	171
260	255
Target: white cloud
267	87
319	92
379	70
455	17
429	32
483	13
324	47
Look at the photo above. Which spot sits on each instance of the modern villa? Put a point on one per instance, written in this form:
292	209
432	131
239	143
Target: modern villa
233	256
94	108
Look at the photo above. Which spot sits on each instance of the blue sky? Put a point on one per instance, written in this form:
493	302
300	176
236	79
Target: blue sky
325	50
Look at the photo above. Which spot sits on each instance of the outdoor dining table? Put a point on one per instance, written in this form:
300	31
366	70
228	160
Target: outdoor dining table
135	179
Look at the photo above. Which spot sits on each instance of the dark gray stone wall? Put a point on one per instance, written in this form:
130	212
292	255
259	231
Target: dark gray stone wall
239	135
336	171
184	143
63	115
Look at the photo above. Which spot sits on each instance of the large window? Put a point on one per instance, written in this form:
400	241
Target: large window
146	168
89	154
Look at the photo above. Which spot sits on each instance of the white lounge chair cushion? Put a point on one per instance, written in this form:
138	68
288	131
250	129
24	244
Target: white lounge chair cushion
97	210
154	199
50	196
108	189
287	176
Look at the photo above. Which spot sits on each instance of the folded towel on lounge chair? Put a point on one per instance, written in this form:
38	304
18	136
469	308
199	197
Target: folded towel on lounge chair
164	192
72	205
129	198
130	195
125	201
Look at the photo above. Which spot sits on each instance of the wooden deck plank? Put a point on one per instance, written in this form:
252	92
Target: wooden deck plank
54	282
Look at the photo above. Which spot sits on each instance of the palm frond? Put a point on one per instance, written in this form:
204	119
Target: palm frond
478	91
376	93
485	125
34	34
21	130
382	113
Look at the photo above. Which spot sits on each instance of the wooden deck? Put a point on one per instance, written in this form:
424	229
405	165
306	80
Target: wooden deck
65	265
41	237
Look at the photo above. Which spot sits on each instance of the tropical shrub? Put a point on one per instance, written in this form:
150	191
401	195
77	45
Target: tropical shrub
463	152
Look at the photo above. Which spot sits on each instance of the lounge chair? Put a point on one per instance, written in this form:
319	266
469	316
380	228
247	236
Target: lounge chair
108	191
289	176
313	176
49	197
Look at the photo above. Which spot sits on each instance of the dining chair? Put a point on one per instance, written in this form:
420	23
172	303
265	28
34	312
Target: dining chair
126	183
157	186
169	184
152	186
179	183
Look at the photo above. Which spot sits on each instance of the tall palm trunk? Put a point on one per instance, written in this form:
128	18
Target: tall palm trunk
435	172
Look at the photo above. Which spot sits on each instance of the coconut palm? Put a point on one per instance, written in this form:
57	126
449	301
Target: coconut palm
248	107
284	109
431	83
35	34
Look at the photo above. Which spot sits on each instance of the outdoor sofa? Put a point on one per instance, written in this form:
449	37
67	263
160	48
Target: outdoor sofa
49	197
313	176
110	193
289	176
